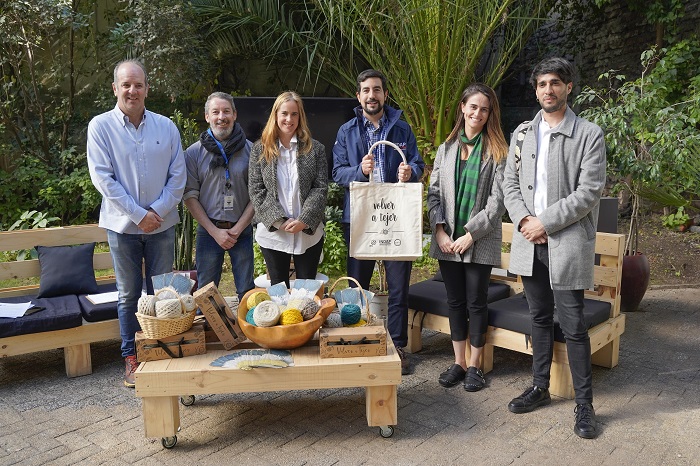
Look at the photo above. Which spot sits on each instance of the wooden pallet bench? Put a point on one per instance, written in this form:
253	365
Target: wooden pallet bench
509	319
63	323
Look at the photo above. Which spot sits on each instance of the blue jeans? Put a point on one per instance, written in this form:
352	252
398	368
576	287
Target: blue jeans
129	252
210	259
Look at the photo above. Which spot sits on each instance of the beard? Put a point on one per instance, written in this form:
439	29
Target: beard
221	133
376	111
554	107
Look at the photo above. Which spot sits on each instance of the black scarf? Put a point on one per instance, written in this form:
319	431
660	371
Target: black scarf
235	142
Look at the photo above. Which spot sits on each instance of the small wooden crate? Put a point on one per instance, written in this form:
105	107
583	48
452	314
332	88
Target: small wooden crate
219	316
352	342
184	344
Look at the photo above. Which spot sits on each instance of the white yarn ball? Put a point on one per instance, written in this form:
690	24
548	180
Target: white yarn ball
188	303
266	314
147	305
168	308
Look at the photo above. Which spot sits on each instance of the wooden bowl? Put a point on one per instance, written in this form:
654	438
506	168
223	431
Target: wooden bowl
283	336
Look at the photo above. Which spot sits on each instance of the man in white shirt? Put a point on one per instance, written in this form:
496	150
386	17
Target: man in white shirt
552	186
136	162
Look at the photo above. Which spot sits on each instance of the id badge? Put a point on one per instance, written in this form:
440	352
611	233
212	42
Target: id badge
228	202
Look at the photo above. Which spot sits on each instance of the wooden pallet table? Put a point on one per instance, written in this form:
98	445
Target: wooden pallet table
161	384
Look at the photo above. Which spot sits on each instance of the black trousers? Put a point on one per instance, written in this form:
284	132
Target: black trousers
569	304
305	265
467	287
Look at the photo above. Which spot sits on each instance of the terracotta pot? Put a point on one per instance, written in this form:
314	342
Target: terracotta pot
635	281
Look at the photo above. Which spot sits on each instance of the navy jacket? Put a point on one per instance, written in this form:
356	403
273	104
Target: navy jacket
350	146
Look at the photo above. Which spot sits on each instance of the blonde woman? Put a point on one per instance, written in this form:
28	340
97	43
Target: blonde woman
465	205
288	185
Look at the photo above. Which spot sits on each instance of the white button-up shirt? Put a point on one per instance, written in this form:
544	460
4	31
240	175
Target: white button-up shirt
544	134
136	169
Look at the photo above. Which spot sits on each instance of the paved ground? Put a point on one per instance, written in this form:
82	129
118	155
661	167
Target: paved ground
648	407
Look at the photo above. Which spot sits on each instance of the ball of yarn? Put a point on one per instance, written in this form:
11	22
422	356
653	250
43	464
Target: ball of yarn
188	303
167	293
168	308
266	314
359	323
291	316
256	298
350	314
307	306
249	317
147	305
333	320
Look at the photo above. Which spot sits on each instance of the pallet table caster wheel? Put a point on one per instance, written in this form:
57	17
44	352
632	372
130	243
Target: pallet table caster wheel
169	442
386	431
187	400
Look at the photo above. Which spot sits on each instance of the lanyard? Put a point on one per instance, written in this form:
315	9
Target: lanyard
223	154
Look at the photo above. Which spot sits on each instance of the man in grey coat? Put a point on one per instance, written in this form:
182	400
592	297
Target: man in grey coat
553	181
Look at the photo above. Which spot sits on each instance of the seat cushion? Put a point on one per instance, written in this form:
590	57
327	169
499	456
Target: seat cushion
61	312
514	314
430	296
99	312
66	270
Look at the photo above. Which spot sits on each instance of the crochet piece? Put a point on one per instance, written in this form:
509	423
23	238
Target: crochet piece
252	358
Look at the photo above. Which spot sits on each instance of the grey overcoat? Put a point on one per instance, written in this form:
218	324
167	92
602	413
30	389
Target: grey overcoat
485	219
575	181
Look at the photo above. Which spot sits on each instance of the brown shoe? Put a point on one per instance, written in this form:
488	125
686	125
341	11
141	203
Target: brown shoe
131	366
406	367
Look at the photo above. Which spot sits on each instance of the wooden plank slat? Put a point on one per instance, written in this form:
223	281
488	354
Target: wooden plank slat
57	236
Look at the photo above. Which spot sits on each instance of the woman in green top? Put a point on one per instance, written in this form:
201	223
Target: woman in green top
465	206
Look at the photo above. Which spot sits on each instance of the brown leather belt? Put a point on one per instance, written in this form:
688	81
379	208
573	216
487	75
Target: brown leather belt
222	224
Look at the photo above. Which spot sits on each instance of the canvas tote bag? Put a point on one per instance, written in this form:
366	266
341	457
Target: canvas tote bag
386	219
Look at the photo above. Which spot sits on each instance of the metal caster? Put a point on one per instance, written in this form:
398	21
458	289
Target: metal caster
386	431
187	400
169	442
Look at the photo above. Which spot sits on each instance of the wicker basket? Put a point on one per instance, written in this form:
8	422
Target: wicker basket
283	336
365	310
158	327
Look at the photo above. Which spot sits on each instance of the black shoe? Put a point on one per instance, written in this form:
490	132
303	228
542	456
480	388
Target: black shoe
406	367
585	426
452	376
474	381
531	398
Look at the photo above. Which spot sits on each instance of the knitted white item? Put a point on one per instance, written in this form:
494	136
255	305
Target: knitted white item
168	308
232	303
167	293
266	314
147	305
333	320
188	303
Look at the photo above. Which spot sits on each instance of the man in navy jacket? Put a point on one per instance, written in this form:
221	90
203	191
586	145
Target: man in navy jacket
376	121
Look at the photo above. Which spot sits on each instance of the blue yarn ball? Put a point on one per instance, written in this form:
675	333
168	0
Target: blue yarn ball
249	316
350	314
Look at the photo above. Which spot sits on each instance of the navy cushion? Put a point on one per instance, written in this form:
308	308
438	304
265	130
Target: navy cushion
99	312
66	270
430	296
61	312
514	314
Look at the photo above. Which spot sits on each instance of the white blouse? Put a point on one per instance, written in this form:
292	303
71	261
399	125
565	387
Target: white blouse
289	199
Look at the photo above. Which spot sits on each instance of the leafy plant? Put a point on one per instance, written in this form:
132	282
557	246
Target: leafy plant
650	126
429	49
259	267
31	220
334	250
675	220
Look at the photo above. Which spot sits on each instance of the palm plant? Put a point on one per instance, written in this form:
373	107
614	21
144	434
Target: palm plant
430	50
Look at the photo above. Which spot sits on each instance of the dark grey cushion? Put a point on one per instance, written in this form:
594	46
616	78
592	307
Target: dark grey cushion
430	296
66	270
514	314
98	312
61	312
